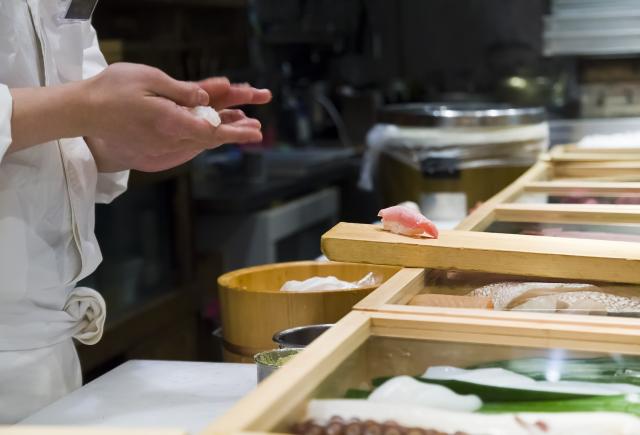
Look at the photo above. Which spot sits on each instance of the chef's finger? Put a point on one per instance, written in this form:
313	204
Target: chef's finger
247	122
238	118
261	96
216	87
240	95
231	115
258	96
238	134
182	93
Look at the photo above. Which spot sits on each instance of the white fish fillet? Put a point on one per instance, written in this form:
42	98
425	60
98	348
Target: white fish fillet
407	390
583	423
555	297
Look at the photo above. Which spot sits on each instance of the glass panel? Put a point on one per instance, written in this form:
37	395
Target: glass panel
579	197
455	289
456	388
617	232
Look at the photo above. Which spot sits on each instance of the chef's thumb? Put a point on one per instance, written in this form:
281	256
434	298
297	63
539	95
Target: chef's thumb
182	93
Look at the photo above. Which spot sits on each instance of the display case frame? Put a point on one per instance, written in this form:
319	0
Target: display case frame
387	312
470	248
279	401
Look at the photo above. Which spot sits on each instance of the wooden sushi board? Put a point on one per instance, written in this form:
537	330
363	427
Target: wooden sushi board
487	252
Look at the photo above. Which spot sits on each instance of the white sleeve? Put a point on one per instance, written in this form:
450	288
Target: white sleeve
109	185
6	109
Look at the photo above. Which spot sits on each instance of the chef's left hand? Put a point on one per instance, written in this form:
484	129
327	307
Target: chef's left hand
222	96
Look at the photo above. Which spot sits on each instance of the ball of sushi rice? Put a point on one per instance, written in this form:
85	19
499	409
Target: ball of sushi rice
208	113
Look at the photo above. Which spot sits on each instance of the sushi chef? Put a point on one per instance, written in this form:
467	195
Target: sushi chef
70	129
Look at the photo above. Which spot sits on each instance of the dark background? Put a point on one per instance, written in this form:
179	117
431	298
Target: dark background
320	58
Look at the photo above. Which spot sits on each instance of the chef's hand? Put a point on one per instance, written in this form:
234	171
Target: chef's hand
223	94
137	118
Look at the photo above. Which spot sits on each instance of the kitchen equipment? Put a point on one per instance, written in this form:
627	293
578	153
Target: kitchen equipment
299	337
418	152
269	361
253	308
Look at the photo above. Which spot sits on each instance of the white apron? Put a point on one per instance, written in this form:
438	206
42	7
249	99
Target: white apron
47	197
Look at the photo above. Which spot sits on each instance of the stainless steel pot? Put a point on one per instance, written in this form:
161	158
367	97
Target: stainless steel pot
464	114
299	337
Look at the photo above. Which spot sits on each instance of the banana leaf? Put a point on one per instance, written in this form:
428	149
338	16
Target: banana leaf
626	404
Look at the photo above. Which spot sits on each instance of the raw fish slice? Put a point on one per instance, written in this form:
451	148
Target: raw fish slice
406	221
509	295
409	391
558	297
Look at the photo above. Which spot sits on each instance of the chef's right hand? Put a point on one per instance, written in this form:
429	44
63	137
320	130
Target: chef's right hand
137	120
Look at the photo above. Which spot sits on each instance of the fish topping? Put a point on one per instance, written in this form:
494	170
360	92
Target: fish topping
407	221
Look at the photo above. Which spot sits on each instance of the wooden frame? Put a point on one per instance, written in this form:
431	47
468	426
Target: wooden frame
569	161
330	364
470	248
568	213
512	254
572	153
387	312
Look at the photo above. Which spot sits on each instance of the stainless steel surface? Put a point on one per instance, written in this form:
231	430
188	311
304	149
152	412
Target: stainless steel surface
460	115
269	361
299	337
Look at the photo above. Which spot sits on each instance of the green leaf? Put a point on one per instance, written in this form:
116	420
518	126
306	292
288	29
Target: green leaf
354	393
590	404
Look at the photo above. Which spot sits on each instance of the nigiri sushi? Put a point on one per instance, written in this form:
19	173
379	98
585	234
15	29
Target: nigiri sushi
408	222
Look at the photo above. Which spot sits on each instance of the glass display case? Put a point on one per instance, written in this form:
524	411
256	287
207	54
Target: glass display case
621	232
579	196
511	258
452	375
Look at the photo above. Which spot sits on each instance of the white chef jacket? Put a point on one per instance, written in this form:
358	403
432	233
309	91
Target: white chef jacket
47	197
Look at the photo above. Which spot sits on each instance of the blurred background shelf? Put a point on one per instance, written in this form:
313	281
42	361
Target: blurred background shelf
187	3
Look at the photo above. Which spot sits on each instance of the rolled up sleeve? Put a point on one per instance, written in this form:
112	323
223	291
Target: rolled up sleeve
6	109
109	185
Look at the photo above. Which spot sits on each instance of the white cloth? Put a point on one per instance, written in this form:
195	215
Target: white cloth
47	197
630	139
32	379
